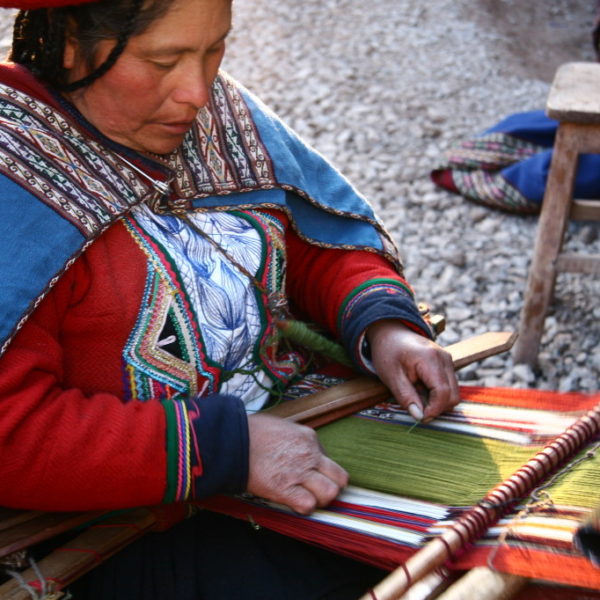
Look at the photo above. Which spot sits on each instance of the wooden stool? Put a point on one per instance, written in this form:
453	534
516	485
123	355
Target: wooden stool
574	101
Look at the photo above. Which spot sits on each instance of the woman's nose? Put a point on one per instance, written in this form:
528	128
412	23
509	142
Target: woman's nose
193	87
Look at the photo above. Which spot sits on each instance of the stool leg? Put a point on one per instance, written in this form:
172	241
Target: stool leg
548	243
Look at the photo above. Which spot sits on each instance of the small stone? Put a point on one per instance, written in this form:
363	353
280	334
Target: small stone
495	362
523	373
430	198
436	116
457	258
568	384
478	214
457	314
588	234
493	382
588	384
468	373
488	226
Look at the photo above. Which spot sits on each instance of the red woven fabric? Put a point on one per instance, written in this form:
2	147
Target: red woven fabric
555	561
547	565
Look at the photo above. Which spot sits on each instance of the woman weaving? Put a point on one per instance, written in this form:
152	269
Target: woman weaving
157	221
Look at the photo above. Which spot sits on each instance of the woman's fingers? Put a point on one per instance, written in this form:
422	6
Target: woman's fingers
318	487
418	372
287	465
316	491
439	379
407	395
333	471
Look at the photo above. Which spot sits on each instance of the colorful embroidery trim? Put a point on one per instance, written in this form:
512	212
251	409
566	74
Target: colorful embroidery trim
79	178
390	286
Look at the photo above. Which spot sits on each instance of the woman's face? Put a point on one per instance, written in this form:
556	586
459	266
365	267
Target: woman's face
150	97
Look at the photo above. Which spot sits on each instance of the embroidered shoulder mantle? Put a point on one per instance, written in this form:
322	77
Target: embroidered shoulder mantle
62	184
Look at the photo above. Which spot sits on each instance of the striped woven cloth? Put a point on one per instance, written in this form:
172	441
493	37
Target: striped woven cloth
409	484
506	166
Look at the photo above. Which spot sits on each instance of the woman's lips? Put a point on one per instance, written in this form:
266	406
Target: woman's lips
177	127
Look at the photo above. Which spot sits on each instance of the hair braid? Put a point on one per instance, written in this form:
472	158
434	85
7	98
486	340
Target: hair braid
39	36
111	59
51	59
29	40
19	49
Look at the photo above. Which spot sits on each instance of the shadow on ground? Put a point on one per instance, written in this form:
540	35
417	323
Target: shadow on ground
540	36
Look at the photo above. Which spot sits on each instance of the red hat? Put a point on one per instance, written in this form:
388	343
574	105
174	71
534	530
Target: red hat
33	4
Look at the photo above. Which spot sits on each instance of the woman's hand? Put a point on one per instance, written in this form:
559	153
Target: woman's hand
417	371
287	465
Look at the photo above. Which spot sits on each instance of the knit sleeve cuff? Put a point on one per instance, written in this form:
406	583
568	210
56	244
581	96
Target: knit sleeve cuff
207	447
375	301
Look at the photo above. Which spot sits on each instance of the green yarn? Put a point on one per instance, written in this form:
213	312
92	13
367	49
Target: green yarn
301	334
448	468
578	486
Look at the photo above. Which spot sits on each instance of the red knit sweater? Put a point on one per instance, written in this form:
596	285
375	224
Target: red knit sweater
67	439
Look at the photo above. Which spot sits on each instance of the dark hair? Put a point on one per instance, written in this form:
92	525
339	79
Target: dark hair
39	35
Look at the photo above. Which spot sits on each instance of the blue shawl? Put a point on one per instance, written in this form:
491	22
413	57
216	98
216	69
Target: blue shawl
63	183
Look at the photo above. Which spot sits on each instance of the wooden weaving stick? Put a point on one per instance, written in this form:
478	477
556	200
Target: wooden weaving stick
483	582
486	582
357	394
21	529
80	555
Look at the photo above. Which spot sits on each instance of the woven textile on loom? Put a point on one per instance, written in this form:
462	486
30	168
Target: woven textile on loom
408	484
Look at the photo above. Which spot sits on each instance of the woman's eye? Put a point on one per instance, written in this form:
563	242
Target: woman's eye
164	65
216	49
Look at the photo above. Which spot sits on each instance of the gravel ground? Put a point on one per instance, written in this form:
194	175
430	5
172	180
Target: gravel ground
383	91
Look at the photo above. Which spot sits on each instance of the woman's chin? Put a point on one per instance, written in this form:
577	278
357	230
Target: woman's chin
161	144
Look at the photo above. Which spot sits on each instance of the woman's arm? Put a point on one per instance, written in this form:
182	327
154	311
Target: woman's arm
358	295
65	449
